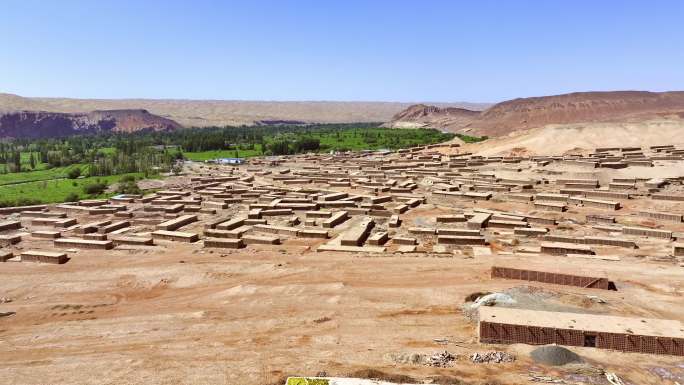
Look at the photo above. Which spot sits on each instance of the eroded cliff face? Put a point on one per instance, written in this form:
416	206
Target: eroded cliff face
41	124
419	111
525	113
580	107
421	115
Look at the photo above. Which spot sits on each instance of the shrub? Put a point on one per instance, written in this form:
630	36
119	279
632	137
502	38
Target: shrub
20	202
129	187
127	179
28	202
74	173
94	188
72	197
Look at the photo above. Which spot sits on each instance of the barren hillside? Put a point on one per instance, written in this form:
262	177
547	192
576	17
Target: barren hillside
526	113
202	113
40	124
421	115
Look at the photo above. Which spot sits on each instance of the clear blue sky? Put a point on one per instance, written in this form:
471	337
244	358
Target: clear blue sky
392	50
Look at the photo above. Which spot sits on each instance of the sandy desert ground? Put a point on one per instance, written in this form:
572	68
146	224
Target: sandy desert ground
194	317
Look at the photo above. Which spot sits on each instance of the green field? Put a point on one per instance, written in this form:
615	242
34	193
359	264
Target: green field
106	150
208	155
40	175
350	139
378	138
147	153
53	191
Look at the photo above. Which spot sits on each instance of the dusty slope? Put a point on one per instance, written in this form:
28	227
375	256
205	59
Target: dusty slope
521	114
558	139
202	113
12	103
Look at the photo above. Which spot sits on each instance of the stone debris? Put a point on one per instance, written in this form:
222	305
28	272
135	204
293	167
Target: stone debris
537	377
494	299
614	379
596	299
491	357
470	310
442	360
408	358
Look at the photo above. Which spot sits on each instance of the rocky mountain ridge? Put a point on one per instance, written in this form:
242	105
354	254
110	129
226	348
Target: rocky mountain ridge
526	113
41	124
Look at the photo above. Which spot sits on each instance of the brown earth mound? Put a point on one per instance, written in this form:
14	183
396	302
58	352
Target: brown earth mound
554	355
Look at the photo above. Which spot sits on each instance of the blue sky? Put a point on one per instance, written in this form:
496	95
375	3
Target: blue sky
390	50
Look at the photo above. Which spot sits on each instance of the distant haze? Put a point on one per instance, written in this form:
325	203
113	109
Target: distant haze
202	113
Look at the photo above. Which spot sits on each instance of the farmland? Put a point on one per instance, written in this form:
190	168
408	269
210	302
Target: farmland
39	172
201	156
54	190
38	175
298	139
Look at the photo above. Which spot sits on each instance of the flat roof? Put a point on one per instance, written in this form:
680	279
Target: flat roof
587	322
43	253
565	245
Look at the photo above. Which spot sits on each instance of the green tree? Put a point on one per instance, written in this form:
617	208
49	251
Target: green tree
17	161
307	144
280	147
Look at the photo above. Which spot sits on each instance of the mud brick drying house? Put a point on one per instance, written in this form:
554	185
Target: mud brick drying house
551	277
640	335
